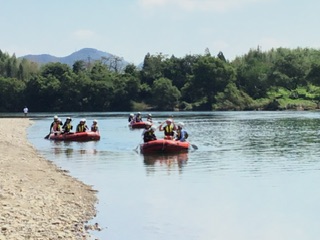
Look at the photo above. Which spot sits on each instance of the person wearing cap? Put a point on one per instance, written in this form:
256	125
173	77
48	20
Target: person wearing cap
94	126
82	127
182	134
67	126
168	129
56	128
148	133
131	118
55	120
149	117
138	117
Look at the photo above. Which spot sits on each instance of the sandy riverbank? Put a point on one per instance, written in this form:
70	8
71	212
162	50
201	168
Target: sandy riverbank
37	199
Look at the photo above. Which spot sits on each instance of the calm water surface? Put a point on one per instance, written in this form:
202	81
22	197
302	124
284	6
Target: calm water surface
255	175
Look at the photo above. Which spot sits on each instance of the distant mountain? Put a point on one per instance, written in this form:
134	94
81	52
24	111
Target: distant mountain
85	54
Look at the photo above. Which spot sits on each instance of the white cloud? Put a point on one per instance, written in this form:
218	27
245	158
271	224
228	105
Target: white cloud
197	5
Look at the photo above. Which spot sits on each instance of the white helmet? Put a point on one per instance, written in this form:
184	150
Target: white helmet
95	121
55	117
153	128
131	114
149	115
180	124
169	120
59	119
139	113
83	120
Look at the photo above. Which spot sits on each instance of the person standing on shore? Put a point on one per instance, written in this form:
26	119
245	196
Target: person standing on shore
25	111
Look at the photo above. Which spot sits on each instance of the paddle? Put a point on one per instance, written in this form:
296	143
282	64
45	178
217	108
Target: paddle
47	137
195	147
136	149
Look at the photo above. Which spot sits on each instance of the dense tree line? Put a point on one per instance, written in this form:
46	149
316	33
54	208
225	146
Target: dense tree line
277	79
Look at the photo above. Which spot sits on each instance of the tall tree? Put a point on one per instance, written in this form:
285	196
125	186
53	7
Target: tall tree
252	73
165	95
210	75
152	68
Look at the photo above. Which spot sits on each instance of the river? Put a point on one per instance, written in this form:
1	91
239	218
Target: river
254	175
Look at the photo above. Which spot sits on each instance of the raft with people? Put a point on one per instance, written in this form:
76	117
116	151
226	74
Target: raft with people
169	144
82	134
137	125
136	122
164	146
75	136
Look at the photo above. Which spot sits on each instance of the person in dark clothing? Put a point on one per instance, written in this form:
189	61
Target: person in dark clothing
67	126
131	118
138	117
148	133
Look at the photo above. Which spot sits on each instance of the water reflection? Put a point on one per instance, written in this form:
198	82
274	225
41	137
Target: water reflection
169	161
70	152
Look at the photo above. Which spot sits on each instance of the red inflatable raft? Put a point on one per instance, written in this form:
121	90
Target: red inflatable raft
78	136
165	146
136	125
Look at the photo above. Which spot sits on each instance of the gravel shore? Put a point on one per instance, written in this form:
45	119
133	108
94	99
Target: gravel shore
38	200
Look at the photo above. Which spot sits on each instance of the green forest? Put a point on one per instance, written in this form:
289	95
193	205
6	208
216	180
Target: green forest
278	79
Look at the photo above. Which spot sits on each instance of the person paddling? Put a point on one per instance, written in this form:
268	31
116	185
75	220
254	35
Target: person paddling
148	133
56	127
55	119
182	134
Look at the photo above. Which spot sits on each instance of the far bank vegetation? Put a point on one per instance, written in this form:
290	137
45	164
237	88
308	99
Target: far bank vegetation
279	79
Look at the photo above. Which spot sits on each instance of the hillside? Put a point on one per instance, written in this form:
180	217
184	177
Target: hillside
85	54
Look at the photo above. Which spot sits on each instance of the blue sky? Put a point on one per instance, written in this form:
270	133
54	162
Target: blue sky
132	28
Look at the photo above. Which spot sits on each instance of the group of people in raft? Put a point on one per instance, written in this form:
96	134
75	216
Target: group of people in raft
171	130
58	127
